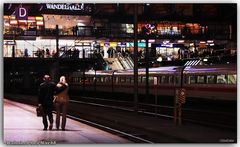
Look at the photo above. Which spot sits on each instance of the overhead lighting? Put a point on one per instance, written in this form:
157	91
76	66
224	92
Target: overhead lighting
31	17
7	24
151	40
202	42
39	23
22	21
165	41
13	22
180	41
80	24
39	18
211	44
210	41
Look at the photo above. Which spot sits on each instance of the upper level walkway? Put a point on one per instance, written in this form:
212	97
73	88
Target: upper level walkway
22	126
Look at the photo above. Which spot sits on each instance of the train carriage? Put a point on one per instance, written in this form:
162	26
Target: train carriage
218	82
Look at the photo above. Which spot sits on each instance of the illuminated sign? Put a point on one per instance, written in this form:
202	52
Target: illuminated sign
113	44
140	44
107	44
170	45
21	13
72	7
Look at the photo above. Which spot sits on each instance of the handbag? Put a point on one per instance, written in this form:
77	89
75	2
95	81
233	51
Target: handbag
39	111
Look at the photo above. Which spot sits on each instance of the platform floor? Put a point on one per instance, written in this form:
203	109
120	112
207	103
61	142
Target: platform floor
22	126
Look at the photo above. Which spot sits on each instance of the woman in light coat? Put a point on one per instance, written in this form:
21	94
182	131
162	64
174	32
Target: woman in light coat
61	101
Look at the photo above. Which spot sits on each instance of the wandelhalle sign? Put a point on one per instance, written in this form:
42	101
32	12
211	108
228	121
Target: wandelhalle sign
21	13
63	8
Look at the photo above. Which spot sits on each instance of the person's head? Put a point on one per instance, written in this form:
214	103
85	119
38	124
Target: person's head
46	78
62	79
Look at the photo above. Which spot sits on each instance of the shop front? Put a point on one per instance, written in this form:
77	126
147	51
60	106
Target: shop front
169	51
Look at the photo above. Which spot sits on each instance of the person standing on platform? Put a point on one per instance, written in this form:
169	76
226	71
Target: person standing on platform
61	102
45	99
26	52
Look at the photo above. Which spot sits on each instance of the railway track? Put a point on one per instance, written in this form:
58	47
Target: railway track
212	118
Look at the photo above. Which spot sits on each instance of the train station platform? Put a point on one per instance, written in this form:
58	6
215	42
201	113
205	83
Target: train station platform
22	126
154	129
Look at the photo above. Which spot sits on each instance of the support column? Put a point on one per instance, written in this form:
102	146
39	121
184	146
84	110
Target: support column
54	71
135	58
147	69
57	40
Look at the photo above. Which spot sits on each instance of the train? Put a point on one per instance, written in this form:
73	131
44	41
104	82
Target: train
213	82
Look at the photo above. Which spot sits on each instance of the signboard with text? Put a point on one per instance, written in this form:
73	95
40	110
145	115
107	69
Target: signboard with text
21	13
68	8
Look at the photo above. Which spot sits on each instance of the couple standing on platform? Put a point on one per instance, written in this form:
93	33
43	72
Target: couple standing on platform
50	94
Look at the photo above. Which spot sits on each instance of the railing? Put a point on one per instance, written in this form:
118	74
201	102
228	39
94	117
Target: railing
89	31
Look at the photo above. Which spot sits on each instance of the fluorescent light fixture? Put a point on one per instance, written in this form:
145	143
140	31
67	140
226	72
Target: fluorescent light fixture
180	41
212	44
210	41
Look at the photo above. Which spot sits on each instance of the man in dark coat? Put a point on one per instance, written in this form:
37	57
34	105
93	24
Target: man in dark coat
45	99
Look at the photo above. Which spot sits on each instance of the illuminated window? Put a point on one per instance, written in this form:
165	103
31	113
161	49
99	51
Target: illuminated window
232	79
171	79
211	79
164	79
122	79
128	80
151	80
200	80
221	79
192	79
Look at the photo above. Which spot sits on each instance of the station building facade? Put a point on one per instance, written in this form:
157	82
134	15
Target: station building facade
175	31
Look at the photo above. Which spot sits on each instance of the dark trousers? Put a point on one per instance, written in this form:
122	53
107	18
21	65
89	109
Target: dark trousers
48	113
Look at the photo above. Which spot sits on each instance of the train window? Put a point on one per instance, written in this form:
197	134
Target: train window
143	79
89	79
73	79
98	79
210	79
128	79
116	79
102	79
221	79
132	80
159	80
192	79
151	80
139	79
106	80
122	79
200	80
164	79
232	79
171	79
176	80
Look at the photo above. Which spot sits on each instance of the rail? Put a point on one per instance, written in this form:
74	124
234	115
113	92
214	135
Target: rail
198	116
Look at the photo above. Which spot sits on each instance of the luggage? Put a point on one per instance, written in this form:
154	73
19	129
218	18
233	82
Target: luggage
39	111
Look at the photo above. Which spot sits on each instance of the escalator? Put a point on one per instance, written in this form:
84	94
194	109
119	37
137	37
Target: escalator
126	62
